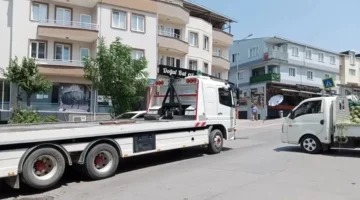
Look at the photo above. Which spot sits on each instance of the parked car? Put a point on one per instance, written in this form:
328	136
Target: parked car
132	115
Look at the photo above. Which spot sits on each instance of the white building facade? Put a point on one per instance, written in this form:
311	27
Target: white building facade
264	67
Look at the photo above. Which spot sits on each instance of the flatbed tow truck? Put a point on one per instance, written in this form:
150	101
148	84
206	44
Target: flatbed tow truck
182	112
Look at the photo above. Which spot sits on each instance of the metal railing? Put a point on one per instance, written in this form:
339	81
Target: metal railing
171	34
69	24
75	63
275	55
220	55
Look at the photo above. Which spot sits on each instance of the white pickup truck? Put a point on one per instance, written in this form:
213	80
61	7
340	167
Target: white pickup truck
320	123
195	111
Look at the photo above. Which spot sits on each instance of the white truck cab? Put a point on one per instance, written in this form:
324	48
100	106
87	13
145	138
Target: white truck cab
309	124
321	123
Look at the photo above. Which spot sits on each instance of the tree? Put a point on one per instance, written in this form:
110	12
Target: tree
27	77
115	74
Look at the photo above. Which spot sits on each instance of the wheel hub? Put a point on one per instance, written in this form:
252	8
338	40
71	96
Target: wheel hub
99	160
217	141
40	166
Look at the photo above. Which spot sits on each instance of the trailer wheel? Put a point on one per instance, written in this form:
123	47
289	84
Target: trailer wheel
311	144
43	168
216	141
102	161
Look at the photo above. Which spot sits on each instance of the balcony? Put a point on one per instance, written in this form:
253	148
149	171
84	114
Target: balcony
54	62
87	3
71	30
173	13
172	42
220	61
265	78
278	55
222	38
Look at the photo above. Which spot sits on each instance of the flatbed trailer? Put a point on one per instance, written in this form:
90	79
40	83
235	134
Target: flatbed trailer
37	154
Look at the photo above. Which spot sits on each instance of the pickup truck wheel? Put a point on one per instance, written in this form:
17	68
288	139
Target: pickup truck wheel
43	168
216	141
101	162
311	144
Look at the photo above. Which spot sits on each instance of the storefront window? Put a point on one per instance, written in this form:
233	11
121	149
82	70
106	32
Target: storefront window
62	97
4	95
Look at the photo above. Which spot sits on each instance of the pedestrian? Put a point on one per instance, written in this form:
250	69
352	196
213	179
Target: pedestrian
254	111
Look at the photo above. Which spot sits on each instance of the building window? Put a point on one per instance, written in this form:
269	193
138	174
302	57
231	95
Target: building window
192	64
292	71
295	51
218	52
234	58
240	75
253	52
352	58
63	16
62	52
352	72
321	57
119	19
310	75
206	43
308	54
84	53
332	60
39	11
193	39
137	54
327	75
206	68
38	50
173	62
138	23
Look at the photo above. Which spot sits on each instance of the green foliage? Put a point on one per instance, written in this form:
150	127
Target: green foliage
27	77
115	74
29	117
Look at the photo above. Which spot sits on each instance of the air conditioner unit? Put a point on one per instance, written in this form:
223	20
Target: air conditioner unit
79	118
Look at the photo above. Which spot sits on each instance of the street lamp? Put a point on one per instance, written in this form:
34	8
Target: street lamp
237	59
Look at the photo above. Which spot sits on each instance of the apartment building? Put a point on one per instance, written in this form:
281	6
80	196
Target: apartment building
60	33
193	37
349	73
264	67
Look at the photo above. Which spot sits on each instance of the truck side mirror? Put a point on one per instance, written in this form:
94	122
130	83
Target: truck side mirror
237	93
292	115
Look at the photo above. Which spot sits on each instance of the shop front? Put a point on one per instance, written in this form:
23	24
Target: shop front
293	95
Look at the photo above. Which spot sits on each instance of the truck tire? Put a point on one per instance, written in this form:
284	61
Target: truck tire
43	168
101	161
216	141
311	144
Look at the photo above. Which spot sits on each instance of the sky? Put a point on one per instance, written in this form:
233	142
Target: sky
327	24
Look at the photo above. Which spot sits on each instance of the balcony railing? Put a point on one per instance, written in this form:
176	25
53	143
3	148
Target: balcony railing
265	78
172	35
275	55
69	24
220	55
73	63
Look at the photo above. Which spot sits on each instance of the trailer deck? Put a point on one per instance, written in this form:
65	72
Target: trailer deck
21	134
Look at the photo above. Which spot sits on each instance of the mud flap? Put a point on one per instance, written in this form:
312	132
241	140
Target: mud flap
13	181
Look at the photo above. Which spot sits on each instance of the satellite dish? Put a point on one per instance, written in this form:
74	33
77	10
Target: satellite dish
276	100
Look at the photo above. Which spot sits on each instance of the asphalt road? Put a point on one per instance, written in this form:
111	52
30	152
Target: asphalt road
255	166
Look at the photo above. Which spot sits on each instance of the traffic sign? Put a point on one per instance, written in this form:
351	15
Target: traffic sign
328	83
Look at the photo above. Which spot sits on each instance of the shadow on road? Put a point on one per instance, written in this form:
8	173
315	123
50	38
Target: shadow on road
350	153
72	174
